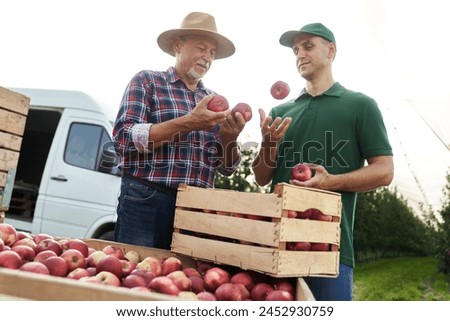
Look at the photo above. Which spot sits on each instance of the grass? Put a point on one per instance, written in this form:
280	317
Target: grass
400	279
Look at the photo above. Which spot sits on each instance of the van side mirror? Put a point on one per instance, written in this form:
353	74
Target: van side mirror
108	162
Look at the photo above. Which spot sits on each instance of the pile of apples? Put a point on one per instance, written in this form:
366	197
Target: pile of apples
113	266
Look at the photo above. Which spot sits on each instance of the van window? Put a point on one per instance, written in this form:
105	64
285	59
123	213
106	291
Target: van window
84	145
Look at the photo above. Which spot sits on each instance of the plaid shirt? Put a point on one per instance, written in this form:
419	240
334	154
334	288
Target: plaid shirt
192	158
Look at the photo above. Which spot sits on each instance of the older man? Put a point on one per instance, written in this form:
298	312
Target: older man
165	134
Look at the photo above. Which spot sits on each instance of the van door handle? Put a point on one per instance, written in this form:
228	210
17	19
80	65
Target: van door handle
59	178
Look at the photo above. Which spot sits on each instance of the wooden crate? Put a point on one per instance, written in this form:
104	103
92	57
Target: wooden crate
255	244
27	285
13	115
20	285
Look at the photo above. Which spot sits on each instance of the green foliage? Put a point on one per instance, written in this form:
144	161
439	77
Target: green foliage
386	227
443	232
242	179
400	279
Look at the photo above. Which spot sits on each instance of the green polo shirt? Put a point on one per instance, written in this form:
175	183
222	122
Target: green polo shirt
338	130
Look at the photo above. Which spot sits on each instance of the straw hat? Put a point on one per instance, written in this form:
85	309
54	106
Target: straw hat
200	24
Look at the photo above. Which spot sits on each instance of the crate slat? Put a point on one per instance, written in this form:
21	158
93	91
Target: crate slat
14	101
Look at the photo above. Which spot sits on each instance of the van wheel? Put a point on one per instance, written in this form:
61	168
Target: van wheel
108	236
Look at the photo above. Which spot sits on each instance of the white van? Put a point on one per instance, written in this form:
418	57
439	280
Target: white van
67	182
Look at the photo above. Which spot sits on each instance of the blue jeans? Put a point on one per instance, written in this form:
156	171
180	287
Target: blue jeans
144	215
333	289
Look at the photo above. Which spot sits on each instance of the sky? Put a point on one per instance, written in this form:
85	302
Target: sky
395	51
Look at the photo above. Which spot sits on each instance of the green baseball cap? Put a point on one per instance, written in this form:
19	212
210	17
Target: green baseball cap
317	29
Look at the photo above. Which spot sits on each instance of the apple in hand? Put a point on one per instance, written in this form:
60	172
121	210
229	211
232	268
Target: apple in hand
218	103
10	260
301	172
244	109
8	234
279	90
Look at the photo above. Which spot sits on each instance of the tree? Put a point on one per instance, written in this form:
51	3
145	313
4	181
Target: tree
242	179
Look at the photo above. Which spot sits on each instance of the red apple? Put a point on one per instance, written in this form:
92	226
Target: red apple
108	278
41	236
8	234
180	279
57	266
140	289
95	257
78	273
218	103
292	214
170	265
197	284
279	90
26	241
206	296
243	278
132	256
35	267
163	284
41	256
301	172
244	109
232	292
134	280
305	215
26	253
127	267
10	260
146	275
23	235
260	291
215	277
150	264
298	246
285	285
188	295
74	259
48	244
92	270
76	244
320	247
202	267
190	271
279	295
319	216
111	264
114	251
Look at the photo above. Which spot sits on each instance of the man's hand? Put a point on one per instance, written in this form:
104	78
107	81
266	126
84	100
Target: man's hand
272	131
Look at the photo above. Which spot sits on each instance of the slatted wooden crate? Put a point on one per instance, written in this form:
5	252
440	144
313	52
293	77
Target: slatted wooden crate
20	285
258	245
13	115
